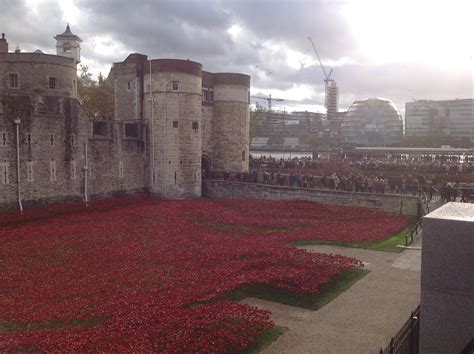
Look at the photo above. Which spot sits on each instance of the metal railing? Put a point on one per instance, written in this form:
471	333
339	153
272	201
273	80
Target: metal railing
414	232
407	340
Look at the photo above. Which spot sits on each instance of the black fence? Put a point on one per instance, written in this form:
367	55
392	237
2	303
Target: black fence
414	233
407	340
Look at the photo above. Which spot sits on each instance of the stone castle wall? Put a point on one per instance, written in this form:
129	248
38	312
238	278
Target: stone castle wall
56	132
406	205
52	153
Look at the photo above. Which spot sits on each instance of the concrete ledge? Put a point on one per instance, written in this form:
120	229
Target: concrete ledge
447	282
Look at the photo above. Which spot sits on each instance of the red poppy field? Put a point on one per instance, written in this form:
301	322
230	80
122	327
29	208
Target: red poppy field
140	274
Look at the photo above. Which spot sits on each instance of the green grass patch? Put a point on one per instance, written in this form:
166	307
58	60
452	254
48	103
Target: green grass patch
326	294
386	245
265	339
58	324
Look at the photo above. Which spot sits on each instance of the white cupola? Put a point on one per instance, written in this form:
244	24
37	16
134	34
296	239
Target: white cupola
67	45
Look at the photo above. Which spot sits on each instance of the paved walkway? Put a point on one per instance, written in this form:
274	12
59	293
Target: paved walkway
362	319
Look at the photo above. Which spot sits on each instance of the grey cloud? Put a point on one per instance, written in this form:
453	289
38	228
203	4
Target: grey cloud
197	29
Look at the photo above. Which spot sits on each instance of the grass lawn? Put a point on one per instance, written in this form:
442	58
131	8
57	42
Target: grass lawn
387	245
266	338
326	294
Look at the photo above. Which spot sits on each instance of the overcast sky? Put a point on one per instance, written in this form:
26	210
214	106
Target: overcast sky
400	50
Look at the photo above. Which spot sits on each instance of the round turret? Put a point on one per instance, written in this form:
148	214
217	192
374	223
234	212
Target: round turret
175	126
231	122
43	74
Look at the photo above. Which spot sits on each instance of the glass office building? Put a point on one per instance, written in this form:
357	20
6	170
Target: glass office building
445	118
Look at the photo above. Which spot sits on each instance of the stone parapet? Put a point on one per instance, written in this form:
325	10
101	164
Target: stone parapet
405	205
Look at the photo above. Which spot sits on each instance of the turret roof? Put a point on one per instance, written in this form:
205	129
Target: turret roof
67	34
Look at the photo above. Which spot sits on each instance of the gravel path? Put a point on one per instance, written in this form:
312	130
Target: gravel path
362	319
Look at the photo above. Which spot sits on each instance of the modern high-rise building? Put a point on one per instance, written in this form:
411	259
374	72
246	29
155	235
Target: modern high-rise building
332	99
452	119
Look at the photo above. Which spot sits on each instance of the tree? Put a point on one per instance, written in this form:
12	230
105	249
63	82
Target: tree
97	96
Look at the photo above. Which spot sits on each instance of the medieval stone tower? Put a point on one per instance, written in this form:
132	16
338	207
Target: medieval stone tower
175	126
231	122
195	121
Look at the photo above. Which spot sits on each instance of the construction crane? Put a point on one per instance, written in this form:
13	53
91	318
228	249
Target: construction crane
331	91
269	99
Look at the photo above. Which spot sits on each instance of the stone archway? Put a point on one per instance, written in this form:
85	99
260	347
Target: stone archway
206	166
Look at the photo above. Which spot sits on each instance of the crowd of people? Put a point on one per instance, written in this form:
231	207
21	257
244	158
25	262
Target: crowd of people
428	163
394	175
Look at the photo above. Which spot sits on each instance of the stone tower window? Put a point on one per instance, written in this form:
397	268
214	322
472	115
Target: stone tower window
175	124
72	140
100	128
51	139
72	165
13	80
120	169
28	139
175	85
132	130
52	170
3	138
129	86
5	173
52	83
243	155
67	47
29	171
195	126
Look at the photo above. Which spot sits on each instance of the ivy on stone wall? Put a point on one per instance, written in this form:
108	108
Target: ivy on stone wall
19	106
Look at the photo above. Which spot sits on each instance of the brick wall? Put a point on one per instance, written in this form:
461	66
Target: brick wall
237	190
